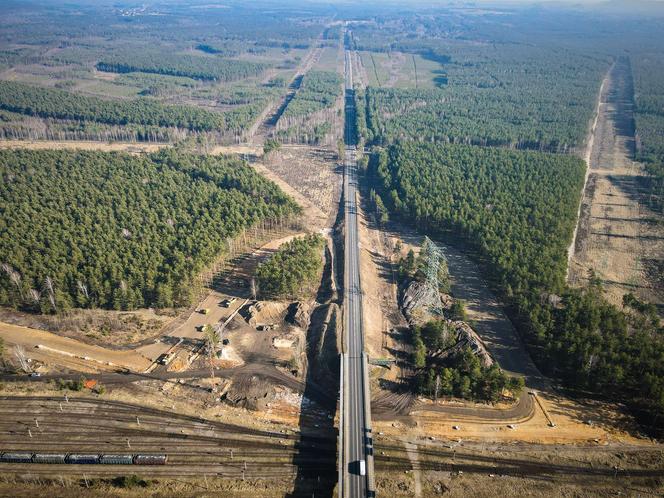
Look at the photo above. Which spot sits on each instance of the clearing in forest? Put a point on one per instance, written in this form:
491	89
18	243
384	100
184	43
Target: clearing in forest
618	235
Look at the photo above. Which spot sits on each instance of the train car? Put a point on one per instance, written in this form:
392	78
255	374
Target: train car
49	458
82	459
16	457
150	459
116	459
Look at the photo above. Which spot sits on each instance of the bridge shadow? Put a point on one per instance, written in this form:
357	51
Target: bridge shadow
315	457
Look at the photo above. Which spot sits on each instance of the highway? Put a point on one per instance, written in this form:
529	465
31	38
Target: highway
355	417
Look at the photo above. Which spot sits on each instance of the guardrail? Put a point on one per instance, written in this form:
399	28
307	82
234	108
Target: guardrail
371	484
342	442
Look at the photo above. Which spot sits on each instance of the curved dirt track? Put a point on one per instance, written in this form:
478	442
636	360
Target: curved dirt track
393	407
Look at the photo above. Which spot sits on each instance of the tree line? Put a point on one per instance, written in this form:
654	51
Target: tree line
319	90
60	104
516	212
196	67
648	70
516	96
111	230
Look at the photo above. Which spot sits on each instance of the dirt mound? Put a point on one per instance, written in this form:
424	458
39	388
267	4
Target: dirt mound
250	392
467	337
411	303
228	357
264	313
299	314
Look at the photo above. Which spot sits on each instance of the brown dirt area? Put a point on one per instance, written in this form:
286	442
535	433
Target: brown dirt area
571	418
100	327
312	172
310	176
65	351
379	289
131	147
461	469
617	232
486	316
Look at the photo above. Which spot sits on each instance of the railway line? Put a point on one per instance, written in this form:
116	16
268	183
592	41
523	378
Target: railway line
197	447
194	446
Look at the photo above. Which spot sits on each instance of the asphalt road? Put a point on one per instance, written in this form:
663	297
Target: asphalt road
354	416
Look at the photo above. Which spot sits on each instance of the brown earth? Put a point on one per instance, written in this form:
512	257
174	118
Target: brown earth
460	469
617	233
54	349
312	172
131	147
398	412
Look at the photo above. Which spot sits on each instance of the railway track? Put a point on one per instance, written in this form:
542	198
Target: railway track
197	447
125	412
390	457
194	446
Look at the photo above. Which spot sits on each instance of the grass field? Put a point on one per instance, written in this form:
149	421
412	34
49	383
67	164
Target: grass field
399	69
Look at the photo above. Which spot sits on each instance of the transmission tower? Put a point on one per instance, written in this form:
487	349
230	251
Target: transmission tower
431	257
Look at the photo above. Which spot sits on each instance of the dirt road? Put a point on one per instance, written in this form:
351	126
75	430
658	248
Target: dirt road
486	315
618	236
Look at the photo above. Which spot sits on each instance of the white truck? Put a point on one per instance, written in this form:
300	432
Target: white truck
363	468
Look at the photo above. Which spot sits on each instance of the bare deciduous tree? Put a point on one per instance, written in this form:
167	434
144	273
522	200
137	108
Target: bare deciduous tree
21	358
212	339
48	286
14	276
34	295
83	288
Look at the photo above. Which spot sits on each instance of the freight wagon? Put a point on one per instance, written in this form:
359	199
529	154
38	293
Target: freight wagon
82	459
116	459
16	457
49	458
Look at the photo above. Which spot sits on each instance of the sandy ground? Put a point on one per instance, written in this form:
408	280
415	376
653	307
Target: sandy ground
379	288
571	419
131	147
311	171
252	150
96	326
485	313
617	235
316	218
69	352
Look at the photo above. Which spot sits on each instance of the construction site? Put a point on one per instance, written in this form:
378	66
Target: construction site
243	393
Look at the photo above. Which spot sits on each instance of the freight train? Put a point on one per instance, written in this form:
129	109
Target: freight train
83	459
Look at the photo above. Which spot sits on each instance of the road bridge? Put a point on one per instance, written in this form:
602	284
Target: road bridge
356	442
